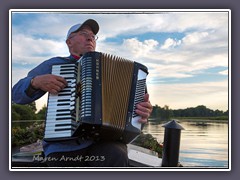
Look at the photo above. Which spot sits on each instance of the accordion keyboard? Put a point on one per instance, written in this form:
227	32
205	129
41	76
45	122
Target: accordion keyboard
99	101
61	110
139	96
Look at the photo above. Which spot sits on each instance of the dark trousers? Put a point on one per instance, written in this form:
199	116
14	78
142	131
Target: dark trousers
101	154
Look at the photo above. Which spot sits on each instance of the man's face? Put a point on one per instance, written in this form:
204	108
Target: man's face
82	41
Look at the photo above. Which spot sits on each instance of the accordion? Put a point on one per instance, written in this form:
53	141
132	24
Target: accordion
99	101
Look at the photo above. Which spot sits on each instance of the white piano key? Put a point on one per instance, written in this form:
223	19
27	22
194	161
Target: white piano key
56	102
67	75
62	105
53	128
52	122
141	74
58	113
55	116
63	65
53	134
60	110
55	97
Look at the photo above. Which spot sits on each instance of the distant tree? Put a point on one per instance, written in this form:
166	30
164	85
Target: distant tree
199	111
42	113
218	113
32	105
161	113
15	115
226	113
156	111
22	112
167	113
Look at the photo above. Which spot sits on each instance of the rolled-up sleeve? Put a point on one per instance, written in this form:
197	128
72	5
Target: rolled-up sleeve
19	95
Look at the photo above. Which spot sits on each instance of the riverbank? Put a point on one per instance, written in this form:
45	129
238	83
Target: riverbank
203	119
220	119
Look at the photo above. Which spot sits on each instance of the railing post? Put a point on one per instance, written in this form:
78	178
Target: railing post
171	144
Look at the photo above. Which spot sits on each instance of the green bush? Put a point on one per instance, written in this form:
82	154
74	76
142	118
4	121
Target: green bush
28	135
149	142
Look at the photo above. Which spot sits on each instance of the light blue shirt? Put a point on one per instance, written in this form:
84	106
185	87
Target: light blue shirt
19	96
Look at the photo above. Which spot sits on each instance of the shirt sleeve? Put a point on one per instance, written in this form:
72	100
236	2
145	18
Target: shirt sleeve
19	95
19	92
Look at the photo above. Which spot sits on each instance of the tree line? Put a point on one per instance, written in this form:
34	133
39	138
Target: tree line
26	115
28	112
165	113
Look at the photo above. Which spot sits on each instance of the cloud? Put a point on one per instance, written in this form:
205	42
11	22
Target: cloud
162	22
224	72
30	50
138	48
181	62
170	43
196	37
203	45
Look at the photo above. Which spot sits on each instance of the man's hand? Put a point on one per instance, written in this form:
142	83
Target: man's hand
144	109
49	83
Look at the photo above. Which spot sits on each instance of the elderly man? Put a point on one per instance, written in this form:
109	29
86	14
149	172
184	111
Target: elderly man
81	38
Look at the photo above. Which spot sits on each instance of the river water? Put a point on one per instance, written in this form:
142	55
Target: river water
204	145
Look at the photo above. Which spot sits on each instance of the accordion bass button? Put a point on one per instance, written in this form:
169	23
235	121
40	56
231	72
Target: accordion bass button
73	85
73	80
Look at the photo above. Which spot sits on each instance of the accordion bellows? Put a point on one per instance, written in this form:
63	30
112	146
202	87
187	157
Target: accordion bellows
115	91
104	93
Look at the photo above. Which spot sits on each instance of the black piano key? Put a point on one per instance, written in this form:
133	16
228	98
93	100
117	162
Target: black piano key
59	118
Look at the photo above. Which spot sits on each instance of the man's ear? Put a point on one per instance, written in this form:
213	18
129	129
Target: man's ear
68	42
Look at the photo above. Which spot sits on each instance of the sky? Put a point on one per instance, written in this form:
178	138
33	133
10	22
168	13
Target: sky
186	51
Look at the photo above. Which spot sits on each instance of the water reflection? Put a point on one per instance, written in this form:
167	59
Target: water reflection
202	144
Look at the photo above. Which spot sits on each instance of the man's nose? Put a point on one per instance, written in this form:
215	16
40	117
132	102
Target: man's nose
90	38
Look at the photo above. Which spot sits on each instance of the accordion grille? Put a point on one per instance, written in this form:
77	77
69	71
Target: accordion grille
116	86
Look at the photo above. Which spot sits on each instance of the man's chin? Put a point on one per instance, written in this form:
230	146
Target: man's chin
91	50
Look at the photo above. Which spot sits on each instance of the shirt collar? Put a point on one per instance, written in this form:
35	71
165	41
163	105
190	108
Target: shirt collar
75	57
